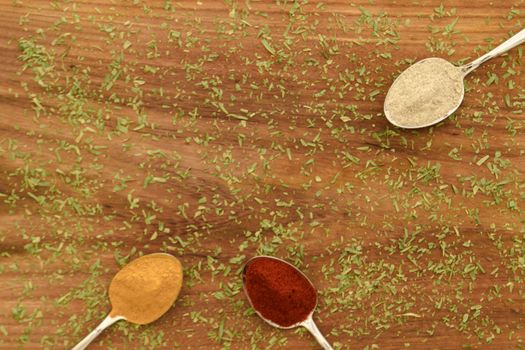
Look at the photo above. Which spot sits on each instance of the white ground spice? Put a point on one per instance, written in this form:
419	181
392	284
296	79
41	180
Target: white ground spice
424	93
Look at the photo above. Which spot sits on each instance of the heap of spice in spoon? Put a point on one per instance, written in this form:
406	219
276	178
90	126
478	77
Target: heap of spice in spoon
141	292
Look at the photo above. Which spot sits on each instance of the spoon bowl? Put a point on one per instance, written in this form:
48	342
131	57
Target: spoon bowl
440	93
141	286
306	321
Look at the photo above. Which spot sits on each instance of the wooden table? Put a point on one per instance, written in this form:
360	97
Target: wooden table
219	130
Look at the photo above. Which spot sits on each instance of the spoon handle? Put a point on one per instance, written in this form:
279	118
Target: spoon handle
108	321
500	49
312	328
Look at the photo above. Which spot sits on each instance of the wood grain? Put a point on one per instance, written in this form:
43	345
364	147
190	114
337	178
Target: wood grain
393	238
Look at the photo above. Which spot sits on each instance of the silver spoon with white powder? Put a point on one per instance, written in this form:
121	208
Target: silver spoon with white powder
430	90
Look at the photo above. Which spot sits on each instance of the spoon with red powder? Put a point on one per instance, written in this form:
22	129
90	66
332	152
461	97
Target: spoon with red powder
281	295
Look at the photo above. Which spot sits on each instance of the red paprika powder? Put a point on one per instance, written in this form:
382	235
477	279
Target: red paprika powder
278	291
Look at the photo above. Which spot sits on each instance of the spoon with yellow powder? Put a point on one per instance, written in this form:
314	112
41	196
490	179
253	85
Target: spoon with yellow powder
141	292
432	89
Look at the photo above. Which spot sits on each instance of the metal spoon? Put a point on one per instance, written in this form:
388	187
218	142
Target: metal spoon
117	315
464	71
307	323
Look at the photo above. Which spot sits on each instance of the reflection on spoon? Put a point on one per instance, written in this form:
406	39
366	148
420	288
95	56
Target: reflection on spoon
281	295
141	292
432	89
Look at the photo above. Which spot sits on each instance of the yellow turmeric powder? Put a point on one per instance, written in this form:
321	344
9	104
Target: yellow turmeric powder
146	288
